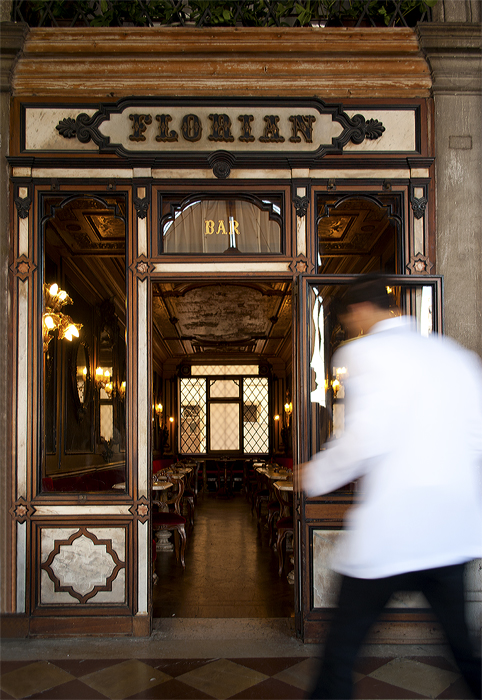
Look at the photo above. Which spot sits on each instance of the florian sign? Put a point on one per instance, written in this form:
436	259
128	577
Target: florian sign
189	132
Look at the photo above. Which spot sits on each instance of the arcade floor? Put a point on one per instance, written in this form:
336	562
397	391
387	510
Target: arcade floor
223	629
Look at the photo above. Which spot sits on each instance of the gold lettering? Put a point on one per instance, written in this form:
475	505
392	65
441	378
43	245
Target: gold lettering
209	224
221	227
234	226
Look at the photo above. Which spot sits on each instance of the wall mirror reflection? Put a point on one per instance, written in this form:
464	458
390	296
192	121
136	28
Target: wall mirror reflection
419	299
84	349
359	233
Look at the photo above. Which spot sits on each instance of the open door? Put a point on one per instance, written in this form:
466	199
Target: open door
319	521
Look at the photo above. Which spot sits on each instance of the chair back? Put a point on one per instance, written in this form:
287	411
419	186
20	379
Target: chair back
175	494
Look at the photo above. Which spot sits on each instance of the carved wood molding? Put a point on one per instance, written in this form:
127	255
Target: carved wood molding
96	61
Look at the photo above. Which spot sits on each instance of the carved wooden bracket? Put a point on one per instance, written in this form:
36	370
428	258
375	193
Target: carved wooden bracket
419	206
23	206
301	205
141	206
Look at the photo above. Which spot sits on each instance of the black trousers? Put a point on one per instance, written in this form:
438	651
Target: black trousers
360	603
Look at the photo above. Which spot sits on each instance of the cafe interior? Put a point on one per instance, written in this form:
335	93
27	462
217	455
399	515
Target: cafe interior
221	371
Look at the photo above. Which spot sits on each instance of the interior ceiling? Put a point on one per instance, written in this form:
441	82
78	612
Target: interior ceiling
213	319
355	236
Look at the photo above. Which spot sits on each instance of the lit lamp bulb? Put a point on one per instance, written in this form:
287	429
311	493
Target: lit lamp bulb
84	372
159	409
71	332
276	417
171	419
49	322
53	289
99	373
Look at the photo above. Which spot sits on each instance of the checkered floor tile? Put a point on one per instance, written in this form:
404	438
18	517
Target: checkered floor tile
220	679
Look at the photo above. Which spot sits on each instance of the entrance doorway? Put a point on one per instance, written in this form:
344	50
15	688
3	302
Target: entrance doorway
222	375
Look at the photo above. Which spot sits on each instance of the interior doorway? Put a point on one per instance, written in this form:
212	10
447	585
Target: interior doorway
222	374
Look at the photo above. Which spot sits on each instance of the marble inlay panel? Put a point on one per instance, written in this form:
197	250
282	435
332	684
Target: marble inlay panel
142	389
22	388
41	134
21	565
399	134
77	561
223	267
326	581
301	227
142	566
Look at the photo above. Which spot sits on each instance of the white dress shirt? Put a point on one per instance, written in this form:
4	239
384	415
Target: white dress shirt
413	433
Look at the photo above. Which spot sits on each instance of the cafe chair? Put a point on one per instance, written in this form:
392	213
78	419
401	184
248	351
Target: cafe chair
238	476
284	525
212	478
172	519
189	496
273	516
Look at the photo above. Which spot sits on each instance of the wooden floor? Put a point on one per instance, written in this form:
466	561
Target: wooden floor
230	570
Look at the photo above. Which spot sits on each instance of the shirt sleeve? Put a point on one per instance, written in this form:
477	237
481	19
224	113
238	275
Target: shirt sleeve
352	455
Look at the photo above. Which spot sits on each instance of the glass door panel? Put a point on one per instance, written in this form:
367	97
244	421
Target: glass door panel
416	297
224	426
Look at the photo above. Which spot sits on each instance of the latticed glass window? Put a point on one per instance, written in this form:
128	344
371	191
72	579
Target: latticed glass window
256	415
193	416
205	370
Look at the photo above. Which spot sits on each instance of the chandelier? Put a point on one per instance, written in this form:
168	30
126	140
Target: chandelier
53	320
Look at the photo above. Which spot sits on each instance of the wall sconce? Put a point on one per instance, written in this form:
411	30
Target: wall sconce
288	408
103	381
53	319
336	384
159	409
122	391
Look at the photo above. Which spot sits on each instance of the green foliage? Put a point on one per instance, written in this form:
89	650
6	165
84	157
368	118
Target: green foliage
212	13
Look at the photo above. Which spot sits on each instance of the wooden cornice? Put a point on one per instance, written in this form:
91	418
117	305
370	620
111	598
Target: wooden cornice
325	62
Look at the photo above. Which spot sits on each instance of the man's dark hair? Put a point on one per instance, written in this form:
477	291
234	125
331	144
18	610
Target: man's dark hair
371	288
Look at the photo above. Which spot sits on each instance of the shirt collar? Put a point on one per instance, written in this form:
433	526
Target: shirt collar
390	324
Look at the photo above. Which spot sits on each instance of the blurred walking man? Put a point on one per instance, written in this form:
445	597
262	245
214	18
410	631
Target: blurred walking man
413	436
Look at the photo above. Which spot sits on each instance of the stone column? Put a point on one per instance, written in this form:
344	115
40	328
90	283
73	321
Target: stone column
453	50
452	46
12	38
